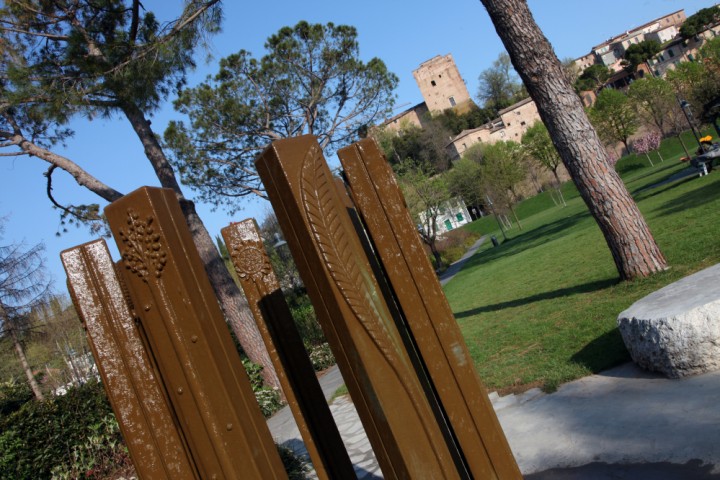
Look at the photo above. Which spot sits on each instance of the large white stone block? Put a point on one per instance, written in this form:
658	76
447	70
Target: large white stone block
676	330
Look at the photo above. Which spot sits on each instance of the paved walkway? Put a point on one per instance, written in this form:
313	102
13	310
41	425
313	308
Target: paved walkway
621	424
456	266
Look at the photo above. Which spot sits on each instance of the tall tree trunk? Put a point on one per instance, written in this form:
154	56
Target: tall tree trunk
632	245
232	302
25	364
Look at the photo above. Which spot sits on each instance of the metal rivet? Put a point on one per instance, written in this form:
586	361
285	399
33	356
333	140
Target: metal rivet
229	426
194	339
180	390
147	308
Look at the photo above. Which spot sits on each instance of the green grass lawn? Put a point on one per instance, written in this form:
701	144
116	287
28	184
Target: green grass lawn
541	308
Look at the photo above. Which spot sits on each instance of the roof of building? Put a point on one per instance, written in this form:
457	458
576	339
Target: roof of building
515	105
633	31
404	112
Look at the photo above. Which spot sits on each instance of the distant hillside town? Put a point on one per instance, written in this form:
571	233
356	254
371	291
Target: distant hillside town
442	86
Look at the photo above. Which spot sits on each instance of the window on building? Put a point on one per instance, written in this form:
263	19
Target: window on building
671	53
690	57
432	82
459	217
661	57
452	101
448	225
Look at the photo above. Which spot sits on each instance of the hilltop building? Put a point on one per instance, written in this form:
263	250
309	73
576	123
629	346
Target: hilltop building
441	84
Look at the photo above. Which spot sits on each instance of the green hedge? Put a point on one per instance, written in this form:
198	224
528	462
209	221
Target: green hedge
41	435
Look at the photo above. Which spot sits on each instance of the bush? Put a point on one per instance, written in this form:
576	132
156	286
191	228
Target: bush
102	455
41	435
268	398
455	243
296	467
304	316
320	356
13	395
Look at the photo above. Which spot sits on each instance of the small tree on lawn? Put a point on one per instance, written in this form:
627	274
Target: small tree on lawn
538	143
425	196
503	168
649	142
640	145
614	117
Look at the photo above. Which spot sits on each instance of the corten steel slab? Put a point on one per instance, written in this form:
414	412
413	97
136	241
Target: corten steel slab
361	331
146	421
200	367
425	308
287	352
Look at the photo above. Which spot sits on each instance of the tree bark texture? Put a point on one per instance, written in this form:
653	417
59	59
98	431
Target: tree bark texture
233	303
627	234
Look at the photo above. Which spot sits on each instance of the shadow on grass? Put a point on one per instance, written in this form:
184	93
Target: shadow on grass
648	193
699	196
527	240
562	292
606	351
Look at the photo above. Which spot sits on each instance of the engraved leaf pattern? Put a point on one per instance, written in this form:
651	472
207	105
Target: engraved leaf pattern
339	257
143	253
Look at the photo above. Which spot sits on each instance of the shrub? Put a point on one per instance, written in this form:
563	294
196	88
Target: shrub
13	395
320	356
296	466
455	243
304	316
102	455
268	398
41	435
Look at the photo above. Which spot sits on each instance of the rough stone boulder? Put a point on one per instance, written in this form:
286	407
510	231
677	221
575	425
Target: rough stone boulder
676	330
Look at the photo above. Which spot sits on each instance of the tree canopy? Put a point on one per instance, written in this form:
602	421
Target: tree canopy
639	53
700	21
65	59
499	86
311	81
614	117
593	78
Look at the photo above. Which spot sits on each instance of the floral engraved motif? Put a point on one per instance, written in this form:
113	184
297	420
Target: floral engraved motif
346	271
251	262
143	253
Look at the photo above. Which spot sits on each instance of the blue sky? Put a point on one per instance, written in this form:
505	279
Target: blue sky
402	34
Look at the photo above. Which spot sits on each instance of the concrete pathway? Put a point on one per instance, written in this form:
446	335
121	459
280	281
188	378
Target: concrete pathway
621	424
456	266
285	432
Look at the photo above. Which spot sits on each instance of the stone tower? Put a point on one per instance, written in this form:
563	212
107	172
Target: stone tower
441	85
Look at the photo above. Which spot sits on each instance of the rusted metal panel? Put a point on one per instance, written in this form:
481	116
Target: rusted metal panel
146	421
287	352
362	333
418	293
206	382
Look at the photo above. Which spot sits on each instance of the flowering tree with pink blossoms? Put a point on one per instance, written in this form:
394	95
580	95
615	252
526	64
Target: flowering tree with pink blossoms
648	143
